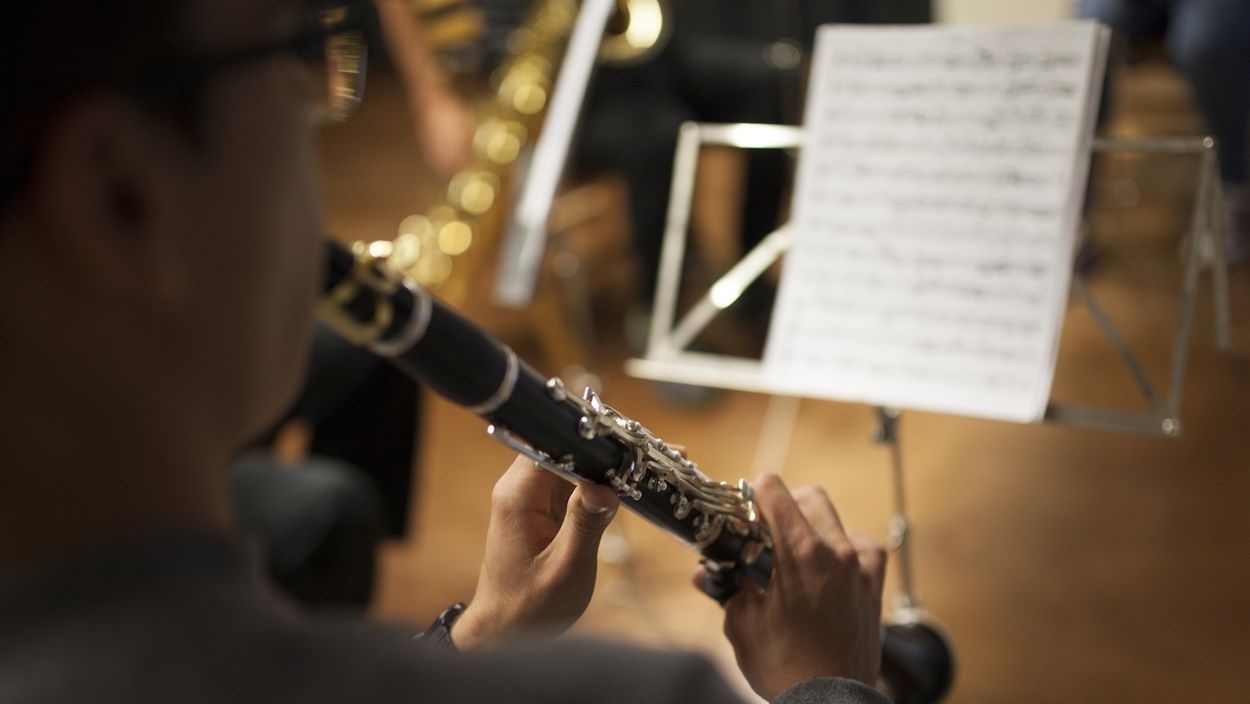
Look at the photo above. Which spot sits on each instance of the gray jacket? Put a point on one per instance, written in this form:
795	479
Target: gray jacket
187	620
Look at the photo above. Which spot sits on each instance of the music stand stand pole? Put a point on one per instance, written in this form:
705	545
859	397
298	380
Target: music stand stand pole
900	524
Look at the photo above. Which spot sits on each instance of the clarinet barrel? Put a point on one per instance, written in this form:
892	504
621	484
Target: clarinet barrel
583	439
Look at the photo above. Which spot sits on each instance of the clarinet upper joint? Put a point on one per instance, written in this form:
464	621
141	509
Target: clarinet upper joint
654	466
561	467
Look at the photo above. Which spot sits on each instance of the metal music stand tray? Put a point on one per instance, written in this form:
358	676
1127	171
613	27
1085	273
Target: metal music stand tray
668	359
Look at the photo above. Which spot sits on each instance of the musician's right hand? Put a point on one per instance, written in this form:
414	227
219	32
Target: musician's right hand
821	613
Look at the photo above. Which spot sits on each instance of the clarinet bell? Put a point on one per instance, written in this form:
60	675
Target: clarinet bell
917	662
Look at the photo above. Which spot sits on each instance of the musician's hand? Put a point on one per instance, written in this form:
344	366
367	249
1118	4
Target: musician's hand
821	613
541	556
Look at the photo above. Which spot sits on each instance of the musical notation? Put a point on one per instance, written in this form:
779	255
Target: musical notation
935	213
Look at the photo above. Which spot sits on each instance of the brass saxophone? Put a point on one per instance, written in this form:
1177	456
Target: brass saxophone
440	247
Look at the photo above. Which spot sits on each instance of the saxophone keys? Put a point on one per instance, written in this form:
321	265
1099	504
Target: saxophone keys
455	237
474	191
499	141
408	244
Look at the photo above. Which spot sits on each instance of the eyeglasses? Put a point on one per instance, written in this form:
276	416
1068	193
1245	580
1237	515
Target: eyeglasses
331	42
344	60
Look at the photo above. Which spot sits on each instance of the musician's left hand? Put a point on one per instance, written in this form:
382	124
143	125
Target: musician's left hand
541	556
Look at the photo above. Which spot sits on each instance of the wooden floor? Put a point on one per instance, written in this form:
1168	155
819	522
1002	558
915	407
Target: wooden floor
1066	564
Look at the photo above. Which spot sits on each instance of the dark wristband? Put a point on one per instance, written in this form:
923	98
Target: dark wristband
439	632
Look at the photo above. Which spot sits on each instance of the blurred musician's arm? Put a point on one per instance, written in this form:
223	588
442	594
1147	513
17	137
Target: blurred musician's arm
444	123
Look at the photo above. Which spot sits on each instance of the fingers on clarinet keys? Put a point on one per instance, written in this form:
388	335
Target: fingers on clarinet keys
720	584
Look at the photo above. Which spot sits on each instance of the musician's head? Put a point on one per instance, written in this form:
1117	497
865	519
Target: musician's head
159	222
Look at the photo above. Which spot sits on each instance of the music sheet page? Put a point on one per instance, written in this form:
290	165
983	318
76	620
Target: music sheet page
936	203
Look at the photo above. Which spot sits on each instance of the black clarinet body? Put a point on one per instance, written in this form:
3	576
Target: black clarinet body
582	439
461	362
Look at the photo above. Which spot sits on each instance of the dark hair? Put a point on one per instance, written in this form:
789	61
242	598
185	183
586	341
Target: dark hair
60	49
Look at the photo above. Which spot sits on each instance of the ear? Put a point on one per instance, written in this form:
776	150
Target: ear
107	190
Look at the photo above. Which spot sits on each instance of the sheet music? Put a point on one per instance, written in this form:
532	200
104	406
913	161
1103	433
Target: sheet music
936	204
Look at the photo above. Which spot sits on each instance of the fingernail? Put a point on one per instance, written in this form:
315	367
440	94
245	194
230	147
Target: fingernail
595	503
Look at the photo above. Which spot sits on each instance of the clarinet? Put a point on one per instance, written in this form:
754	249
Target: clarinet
582	439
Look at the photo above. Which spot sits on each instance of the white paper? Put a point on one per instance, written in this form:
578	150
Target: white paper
936	204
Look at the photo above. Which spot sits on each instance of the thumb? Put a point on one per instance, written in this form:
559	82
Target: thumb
590	509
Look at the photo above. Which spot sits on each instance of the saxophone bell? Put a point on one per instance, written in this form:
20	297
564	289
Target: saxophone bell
638	31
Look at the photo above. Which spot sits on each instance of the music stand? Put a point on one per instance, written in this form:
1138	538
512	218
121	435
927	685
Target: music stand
667	358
